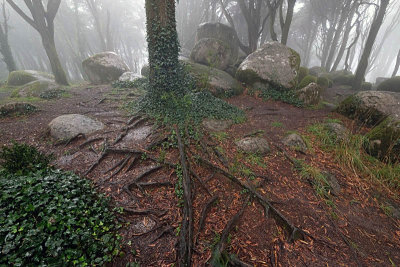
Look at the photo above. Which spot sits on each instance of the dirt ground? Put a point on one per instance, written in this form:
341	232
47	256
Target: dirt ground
360	233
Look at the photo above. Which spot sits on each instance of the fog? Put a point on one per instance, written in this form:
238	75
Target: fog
86	27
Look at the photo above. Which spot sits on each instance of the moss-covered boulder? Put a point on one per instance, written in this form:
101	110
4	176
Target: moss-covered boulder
218	82
40	88
303	72
145	71
104	68
324	82
385	140
212	52
371	107
16	109
346	79
224	33
307	80
272	63
311	94
317	71
366	86
392	85
22	77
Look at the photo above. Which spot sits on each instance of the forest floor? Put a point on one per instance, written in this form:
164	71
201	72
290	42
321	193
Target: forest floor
352	229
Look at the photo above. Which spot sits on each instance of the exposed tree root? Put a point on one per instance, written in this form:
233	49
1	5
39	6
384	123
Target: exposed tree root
168	229
203	215
66	142
220	257
200	181
185	245
143	212
90	141
294	233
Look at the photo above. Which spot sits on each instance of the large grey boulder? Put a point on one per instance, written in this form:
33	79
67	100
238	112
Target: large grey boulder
272	63
212	52
371	107
221	32
254	145
68	126
22	77
105	67
311	94
218	82
380	109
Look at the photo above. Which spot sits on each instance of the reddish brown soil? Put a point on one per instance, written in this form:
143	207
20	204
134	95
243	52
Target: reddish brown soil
360	235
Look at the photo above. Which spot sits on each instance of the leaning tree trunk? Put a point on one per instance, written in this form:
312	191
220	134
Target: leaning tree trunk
163	47
55	63
288	21
396	67
363	64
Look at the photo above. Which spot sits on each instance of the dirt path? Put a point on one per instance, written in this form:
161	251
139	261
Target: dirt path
359	233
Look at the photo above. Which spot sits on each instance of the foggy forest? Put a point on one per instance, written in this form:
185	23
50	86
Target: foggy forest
199	133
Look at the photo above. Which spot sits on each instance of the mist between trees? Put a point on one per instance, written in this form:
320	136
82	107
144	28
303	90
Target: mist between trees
334	34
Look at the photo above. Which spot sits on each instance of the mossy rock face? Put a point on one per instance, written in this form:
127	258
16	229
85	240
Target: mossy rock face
371	107
16	109
392	85
303	72
272	63
22	77
104	67
385	140
307	80
212	52
218	82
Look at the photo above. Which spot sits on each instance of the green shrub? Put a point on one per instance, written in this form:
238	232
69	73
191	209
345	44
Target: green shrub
317	71
366	86
54	218
22	159
344	79
307	80
323	82
303	72
392	84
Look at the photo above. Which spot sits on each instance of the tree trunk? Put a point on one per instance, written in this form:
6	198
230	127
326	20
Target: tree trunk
6	52
288	21
363	64
55	63
396	67
163	45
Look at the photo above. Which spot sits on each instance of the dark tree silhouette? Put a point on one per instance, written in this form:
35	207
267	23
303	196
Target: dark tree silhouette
43	21
4	44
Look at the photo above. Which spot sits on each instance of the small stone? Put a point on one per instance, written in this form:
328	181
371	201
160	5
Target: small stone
295	141
129	77
338	130
254	145
334	184
212	125
142	225
311	94
68	126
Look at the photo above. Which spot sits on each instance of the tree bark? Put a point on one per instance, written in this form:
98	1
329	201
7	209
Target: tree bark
363	64
396	67
288	21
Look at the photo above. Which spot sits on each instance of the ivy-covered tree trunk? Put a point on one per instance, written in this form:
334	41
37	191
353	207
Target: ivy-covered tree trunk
163	47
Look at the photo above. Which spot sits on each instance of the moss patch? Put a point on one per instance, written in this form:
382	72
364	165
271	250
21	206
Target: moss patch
248	76
307	80
392	84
